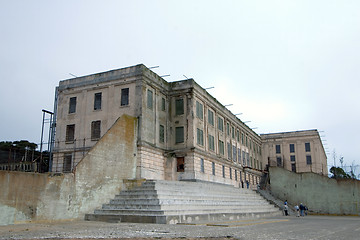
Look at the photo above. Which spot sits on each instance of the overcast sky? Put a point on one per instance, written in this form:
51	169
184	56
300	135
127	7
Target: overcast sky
286	65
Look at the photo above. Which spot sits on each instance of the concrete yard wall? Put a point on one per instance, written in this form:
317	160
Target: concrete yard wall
100	175
319	193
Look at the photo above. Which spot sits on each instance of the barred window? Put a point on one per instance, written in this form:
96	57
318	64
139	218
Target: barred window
95	130
70	133
199	110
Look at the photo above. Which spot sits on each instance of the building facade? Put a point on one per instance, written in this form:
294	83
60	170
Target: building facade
183	132
300	151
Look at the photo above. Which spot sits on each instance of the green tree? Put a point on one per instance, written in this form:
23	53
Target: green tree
338	173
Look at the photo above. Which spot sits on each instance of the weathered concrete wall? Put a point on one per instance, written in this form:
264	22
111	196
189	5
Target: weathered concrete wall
320	194
98	177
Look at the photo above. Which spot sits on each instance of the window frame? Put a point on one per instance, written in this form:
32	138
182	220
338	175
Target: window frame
98	101
125	94
72	105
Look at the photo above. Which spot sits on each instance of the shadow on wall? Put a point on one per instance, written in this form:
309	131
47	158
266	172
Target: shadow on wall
98	177
319	193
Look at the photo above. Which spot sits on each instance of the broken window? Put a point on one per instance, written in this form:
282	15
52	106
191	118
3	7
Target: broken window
70	133
180	164
95	130
72	105
124	96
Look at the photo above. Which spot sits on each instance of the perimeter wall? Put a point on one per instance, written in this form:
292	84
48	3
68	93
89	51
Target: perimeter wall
319	193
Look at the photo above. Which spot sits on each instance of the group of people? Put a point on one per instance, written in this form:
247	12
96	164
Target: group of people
301	210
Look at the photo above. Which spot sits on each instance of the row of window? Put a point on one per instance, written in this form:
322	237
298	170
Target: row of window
231	171
98	100
95	131
230	130
292	148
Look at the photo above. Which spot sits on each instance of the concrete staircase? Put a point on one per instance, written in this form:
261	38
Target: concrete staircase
172	202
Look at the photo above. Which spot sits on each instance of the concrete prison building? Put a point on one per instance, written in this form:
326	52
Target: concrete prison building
183	132
300	151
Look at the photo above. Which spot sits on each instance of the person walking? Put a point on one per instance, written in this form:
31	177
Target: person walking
302	209
286	209
297	211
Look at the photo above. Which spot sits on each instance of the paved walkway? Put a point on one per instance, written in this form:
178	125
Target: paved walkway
309	227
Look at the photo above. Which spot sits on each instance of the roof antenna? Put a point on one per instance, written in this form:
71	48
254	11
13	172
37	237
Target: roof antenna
73	75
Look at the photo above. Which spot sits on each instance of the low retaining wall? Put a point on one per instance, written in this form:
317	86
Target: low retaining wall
319	193
97	178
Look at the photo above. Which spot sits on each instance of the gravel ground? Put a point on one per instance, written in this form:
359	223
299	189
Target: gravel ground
310	227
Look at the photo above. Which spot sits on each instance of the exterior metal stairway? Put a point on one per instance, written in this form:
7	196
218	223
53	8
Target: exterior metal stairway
171	202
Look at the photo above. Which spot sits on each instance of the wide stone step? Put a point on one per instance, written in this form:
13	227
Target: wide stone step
170	201
183	206
175	201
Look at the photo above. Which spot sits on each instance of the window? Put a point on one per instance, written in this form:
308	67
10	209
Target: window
210	117
220	124
163	106
242	139
213	168
230	173
244	158
67	163
223	171
95	130
247	159
278	150
72	105
179	106
292	158
228	129
221	147
202	169
308	160
149	99
211	143
229	150
200	137
238	135
292	148
233	132
307	147
97	101
239	155
124	96
161	134
261	166
278	161
235	175
234	154
179	134
293	167
246	141
70	133
180	164
199	110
